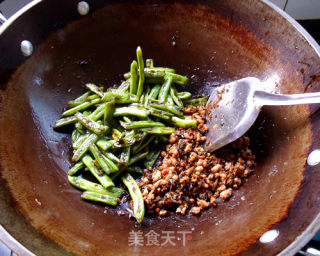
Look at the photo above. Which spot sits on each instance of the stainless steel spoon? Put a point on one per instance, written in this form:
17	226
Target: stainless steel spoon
234	107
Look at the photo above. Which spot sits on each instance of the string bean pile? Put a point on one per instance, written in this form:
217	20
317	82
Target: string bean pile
118	131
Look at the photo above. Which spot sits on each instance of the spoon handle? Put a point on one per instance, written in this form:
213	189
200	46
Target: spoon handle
264	98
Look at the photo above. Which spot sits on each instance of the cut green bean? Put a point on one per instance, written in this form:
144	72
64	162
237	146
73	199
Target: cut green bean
91	125
144	145
94	196
124	86
184	95
75	135
154	92
149	63
141	71
134	170
176	99
82	106
131	111
165	107
111	164
119	97
87	185
79	100
141	124
159	130
134	77
136	195
179	79
196	101
184	123
104	180
163	94
95	89
84	147
108	112
65	121
78	166
138	157
170	100
104	144
151	158
80	140
125	156
99	158
112	157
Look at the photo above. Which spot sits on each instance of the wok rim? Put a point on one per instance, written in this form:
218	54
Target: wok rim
299	242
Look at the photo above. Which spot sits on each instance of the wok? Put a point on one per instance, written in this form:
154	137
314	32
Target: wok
216	42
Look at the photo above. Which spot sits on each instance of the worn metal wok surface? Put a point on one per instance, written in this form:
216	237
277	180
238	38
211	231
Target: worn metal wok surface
217	41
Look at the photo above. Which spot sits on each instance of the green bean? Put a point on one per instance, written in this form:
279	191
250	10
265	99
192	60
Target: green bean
104	144
151	158
99	158
84	147
74	136
80	140
93	97
95	89
184	95
144	145
125	156
165	107
78	166
163	94
112	157
141	71
138	145
134	170
91	125
142	99
82	106
160	114
116	134
155	72
115	190
134	77
94	196
108	112
65	121
79	100
170	100
196	101
176	99
141	124
136	195
124	86
138	157
131	111
154	92
84	184
159	130
119	97
179	79
103	179
184	123
149	63
112	165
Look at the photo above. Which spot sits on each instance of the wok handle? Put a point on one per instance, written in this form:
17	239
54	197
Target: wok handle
264	98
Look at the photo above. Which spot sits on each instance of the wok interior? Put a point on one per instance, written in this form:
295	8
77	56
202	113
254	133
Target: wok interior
210	49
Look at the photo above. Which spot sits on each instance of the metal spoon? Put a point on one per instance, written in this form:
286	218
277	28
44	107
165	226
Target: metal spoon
234	107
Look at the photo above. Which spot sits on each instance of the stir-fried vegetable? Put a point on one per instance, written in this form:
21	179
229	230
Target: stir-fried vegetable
119	130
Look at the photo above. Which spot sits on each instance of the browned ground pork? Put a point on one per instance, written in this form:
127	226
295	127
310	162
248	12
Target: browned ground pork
188	179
